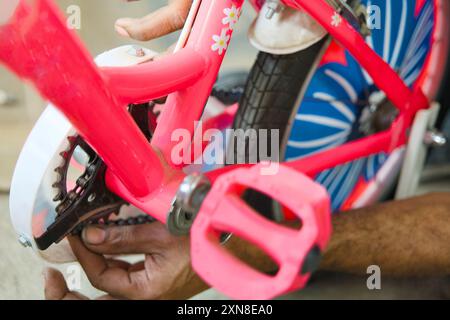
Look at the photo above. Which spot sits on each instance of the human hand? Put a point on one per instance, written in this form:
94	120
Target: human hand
158	23
165	272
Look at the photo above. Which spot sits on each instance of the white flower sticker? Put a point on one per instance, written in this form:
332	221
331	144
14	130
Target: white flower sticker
336	20
220	41
231	16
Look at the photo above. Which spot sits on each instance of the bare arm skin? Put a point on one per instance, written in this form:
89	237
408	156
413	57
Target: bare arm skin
405	238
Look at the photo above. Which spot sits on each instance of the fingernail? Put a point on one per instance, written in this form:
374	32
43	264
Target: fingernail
121	26
122	31
94	235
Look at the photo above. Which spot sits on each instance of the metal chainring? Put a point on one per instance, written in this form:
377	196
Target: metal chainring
68	198
90	202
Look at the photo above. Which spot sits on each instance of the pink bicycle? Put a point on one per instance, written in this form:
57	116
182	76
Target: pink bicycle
314	90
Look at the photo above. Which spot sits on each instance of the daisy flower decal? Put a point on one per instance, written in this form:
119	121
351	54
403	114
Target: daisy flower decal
220	41
336	20
231	16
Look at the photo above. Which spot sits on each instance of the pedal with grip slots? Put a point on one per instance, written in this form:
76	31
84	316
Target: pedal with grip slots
295	251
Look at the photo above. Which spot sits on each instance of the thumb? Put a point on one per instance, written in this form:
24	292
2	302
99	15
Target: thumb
134	239
159	23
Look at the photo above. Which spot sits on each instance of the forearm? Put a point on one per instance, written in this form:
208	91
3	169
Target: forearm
251	255
404	238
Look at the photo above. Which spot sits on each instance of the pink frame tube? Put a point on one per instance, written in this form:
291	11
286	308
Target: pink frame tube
94	99
154	80
185	107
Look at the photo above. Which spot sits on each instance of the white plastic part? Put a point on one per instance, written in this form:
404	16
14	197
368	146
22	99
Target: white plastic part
31	198
123	56
286	32
416	152
7	9
31	188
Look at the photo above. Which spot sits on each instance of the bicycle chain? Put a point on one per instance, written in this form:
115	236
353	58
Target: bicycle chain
133	221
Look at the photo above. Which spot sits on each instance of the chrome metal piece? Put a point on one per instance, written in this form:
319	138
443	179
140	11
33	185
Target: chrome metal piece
24	241
434	138
192	191
225	237
187	202
273	6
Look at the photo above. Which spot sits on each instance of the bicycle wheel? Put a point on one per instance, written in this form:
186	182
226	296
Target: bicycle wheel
333	107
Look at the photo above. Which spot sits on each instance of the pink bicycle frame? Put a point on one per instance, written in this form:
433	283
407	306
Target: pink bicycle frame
37	46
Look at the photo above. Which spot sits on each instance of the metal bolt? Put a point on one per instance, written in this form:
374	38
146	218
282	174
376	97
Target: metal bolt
92	197
24	241
137	51
434	138
273	6
270	13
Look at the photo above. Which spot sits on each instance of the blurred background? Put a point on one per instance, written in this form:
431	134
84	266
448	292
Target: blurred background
20	270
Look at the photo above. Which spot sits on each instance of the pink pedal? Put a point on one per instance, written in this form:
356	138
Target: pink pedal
223	210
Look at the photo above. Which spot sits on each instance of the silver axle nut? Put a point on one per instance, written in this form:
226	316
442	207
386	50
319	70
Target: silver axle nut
187	203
